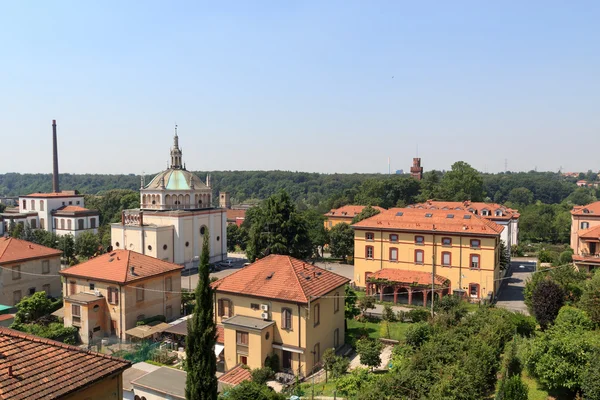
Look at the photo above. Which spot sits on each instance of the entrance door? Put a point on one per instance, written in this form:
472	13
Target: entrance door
287	360
113	327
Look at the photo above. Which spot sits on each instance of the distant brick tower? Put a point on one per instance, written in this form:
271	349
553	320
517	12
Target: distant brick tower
224	201
416	171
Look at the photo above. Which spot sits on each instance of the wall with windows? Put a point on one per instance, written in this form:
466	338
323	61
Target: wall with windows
295	326
16	283
109	388
581	223
463	259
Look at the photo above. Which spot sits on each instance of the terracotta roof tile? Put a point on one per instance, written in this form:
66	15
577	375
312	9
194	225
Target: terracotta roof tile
13	250
236	375
73	209
6	317
349	211
507	213
442	221
591	233
234	214
282	278
116	267
592	209
70	193
404	276
45	369
220	334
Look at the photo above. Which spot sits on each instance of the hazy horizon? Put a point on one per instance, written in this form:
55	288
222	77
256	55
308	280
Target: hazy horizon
313	87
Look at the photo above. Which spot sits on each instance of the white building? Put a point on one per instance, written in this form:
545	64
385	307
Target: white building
63	213
176	212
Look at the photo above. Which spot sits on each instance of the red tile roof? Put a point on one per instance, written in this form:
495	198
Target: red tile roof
68	193
73	209
592	210
14	250
591	233
220	334
6	317
281	278
404	276
234	214
507	213
437	221
591	259
45	369
116	267
349	211
236	375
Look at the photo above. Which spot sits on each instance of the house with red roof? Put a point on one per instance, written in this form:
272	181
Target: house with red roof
108	295
401	253
26	268
283	306
344	214
34	368
585	236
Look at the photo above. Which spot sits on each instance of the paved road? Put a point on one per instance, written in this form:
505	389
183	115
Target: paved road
511	294
237	262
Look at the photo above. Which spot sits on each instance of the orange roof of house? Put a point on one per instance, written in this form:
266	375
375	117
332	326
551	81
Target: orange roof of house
13	250
236	375
220	334
590	233
72	209
117	267
507	213
592	209
443	221
404	276
591	259
6	317
349	211
45	369
69	193
234	214
281	278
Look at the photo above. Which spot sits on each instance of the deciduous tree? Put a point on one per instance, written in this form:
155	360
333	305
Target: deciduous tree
546	300
341	241
461	183
369	351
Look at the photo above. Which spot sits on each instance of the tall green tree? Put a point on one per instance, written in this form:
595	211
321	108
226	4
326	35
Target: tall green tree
201	382
521	196
590	299
276	227
341	241
86	244
461	183
547	299
318	235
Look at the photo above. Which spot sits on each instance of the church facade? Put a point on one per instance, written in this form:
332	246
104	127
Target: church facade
175	214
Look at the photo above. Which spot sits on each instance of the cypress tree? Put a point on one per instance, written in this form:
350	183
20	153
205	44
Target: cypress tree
201	383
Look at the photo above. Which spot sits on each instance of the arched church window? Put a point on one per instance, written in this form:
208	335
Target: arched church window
165	247
149	247
117	244
203	230
218	238
187	244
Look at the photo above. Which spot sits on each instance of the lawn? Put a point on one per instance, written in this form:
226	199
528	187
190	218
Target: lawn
373	329
321	389
537	392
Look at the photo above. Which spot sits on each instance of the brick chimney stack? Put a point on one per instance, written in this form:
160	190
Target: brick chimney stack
55	187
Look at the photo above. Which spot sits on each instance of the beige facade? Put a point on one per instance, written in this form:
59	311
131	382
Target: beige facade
101	309
109	388
585	236
313	328
16	281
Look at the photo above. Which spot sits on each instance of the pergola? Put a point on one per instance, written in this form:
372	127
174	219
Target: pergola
404	281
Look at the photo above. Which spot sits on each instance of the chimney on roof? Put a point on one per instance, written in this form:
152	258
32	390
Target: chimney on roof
132	270
10	371
55	187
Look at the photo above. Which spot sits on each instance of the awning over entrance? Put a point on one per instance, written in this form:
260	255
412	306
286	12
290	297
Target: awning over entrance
144	331
219	349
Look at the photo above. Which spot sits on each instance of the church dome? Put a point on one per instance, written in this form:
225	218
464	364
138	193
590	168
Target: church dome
176	179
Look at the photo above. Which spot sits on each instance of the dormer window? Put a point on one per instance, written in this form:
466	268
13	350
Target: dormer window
485	212
498	213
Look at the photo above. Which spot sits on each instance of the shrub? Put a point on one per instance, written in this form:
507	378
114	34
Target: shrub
369	351
340	366
418	314
566	257
388	314
513	388
546	300
262	375
418	333
591	379
272	362
524	325
349	384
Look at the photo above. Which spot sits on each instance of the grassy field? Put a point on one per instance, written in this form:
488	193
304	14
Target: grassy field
535	392
373	329
321	389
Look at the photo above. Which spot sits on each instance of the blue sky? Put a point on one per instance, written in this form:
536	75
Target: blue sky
325	86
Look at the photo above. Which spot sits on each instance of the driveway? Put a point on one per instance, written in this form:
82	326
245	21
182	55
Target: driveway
511	293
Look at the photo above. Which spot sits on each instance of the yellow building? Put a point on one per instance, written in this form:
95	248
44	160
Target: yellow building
396	252
280	305
32	368
344	214
107	295
26	268
585	236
